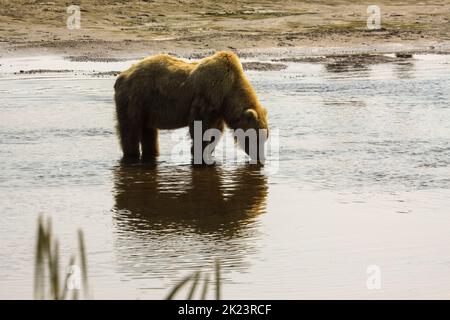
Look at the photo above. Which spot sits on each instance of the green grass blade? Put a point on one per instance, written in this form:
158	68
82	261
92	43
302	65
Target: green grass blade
178	287
64	291
38	262
83	259
194	285
205	287
217	279
55	271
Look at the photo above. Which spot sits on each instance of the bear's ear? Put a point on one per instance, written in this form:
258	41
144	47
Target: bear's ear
250	114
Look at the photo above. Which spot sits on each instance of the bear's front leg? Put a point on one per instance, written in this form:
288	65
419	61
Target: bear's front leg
205	135
149	143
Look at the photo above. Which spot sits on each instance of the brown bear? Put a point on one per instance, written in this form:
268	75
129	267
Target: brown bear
163	92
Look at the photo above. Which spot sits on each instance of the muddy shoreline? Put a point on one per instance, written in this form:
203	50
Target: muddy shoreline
130	30
250	63
112	52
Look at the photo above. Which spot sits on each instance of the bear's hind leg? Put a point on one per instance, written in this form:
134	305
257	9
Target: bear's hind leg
149	143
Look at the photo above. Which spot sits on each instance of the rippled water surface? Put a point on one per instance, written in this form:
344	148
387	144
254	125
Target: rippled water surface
362	178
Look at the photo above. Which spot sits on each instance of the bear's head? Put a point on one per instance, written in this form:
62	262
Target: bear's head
220	83
249	121
251	132
244	113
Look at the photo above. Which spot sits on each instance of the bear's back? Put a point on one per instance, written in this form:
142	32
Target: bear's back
159	68
157	84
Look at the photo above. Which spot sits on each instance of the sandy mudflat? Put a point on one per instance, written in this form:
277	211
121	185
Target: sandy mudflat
128	29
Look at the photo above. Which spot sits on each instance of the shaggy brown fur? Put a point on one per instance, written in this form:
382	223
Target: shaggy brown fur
163	92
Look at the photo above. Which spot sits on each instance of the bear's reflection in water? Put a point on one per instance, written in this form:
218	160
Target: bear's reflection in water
172	218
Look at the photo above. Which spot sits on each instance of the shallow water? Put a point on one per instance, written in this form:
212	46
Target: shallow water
361	178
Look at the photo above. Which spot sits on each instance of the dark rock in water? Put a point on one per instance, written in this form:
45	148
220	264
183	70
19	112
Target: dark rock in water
404	55
106	74
93	59
311	59
39	71
263	66
349	59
